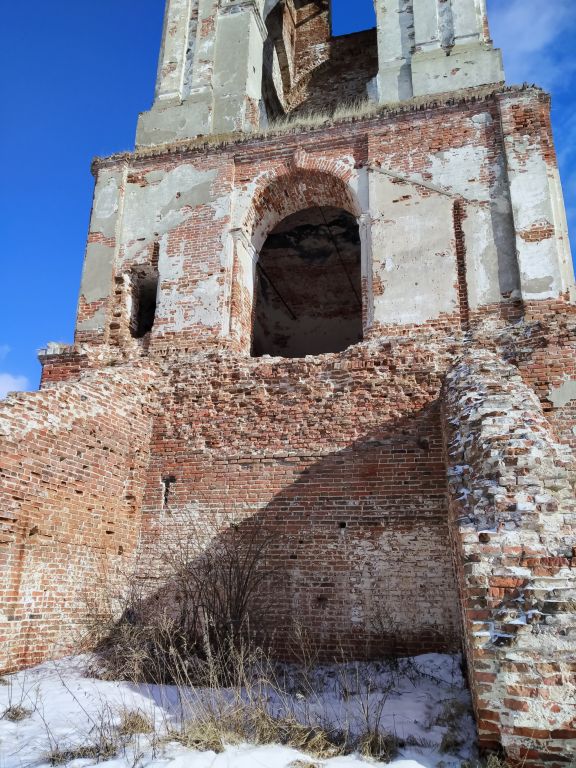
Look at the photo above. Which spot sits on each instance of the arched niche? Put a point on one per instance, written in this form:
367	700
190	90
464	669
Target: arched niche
319	211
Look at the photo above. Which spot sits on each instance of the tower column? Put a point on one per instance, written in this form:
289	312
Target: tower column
203	60
237	75
171	64
394	19
210	71
455	54
467	22
426	25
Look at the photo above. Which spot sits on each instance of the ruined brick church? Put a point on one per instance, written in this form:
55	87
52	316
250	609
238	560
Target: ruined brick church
330	290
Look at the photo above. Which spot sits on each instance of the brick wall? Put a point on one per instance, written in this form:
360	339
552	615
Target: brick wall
513	514
72	460
339	460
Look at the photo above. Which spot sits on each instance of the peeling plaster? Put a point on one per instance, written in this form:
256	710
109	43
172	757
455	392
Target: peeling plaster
105	209
106	200
94	323
205	297
458	170
163	204
564	394
97	272
181	311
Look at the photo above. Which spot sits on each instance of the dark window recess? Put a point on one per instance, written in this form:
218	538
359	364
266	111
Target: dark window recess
144	290
167	483
308	293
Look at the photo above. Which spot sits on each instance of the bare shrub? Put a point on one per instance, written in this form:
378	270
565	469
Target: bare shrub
368	695
22	698
188	602
187	616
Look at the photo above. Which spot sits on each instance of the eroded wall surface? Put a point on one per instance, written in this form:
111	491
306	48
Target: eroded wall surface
72	464
342	457
513	514
439	195
338	461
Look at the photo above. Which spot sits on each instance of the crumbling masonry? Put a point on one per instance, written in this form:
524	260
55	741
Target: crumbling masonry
331	290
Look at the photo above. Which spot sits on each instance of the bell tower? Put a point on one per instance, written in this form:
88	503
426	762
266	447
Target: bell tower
331	292
215	52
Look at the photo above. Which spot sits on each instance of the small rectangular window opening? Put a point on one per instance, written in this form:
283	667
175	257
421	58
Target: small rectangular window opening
167	483
144	292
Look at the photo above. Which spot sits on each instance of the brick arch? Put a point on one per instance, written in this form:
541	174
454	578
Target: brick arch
304	184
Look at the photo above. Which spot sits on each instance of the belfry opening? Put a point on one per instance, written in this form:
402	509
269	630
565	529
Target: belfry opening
308	297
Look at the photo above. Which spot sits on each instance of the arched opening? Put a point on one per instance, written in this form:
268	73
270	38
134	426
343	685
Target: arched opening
318	55
308	296
345	21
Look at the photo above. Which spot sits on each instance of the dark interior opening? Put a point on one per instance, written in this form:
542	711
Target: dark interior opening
308	296
144	291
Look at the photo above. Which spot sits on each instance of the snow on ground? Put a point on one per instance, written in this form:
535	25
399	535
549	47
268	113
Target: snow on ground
420	704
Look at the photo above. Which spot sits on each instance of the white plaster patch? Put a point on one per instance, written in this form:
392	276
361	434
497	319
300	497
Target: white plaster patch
412	253
481	257
181	311
529	190
170	267
106	200
564	394
458	171
221	207
205	298
389	265
95	322
160	207
484	118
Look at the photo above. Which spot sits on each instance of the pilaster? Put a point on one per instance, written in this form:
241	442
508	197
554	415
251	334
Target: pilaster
212	83
395	37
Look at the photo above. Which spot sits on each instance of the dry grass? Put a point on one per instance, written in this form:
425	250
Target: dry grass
451	743
98	751
379	746
493	761
213	731
355	110
205	736
16	713
229	688
133	722
304	764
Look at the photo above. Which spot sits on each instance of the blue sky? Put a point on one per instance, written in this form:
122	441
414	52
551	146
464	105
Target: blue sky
79	73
